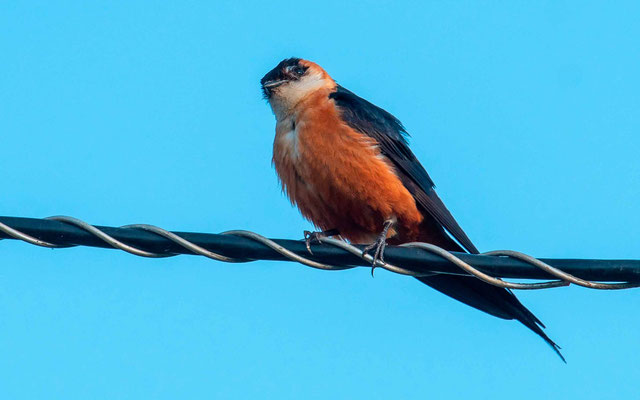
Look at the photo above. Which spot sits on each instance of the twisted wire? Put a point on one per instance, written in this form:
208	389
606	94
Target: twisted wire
564	279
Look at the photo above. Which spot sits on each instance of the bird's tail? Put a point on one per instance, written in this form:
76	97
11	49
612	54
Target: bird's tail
493	300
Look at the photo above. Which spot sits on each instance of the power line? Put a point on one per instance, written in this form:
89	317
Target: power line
418	259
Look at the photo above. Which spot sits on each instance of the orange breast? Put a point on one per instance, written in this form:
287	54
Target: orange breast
337	176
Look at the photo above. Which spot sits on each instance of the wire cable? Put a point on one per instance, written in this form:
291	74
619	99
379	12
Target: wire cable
329	254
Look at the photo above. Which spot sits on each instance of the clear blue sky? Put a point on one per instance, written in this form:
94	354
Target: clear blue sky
527	117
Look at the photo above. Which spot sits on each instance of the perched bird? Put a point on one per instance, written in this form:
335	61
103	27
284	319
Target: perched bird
346	164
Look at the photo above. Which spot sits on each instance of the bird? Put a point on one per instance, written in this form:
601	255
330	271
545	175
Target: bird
346	164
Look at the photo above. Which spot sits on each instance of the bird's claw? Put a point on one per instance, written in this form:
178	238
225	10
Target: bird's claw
310	237
379	246
378	255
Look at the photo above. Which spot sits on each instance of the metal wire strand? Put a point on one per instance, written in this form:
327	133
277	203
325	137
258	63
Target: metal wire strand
481	275
564	278
186	244
16	234
568	278
289	254
109	239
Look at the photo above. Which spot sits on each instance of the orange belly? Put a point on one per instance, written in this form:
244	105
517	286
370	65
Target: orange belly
338	178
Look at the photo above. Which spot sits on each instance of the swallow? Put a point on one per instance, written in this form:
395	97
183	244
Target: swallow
346	164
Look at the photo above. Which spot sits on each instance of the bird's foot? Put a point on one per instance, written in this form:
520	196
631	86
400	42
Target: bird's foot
378	246
310	237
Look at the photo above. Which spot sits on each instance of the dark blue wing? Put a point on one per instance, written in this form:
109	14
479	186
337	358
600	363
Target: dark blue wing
388	131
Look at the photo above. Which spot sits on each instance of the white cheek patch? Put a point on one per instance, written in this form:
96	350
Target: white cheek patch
307	84
289	94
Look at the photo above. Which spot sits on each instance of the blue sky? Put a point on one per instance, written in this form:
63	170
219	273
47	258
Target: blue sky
526	116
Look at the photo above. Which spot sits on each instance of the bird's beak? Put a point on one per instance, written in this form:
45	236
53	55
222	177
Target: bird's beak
272	84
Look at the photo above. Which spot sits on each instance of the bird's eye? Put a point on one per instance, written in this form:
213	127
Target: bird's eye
295	70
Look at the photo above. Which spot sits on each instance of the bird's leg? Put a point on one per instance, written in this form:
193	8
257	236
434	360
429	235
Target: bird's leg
310	237
379	244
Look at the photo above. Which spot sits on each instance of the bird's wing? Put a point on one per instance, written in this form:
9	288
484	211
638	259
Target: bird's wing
388	131
375	122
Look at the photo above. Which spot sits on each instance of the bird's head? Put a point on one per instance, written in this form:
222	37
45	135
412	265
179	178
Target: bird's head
292	80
